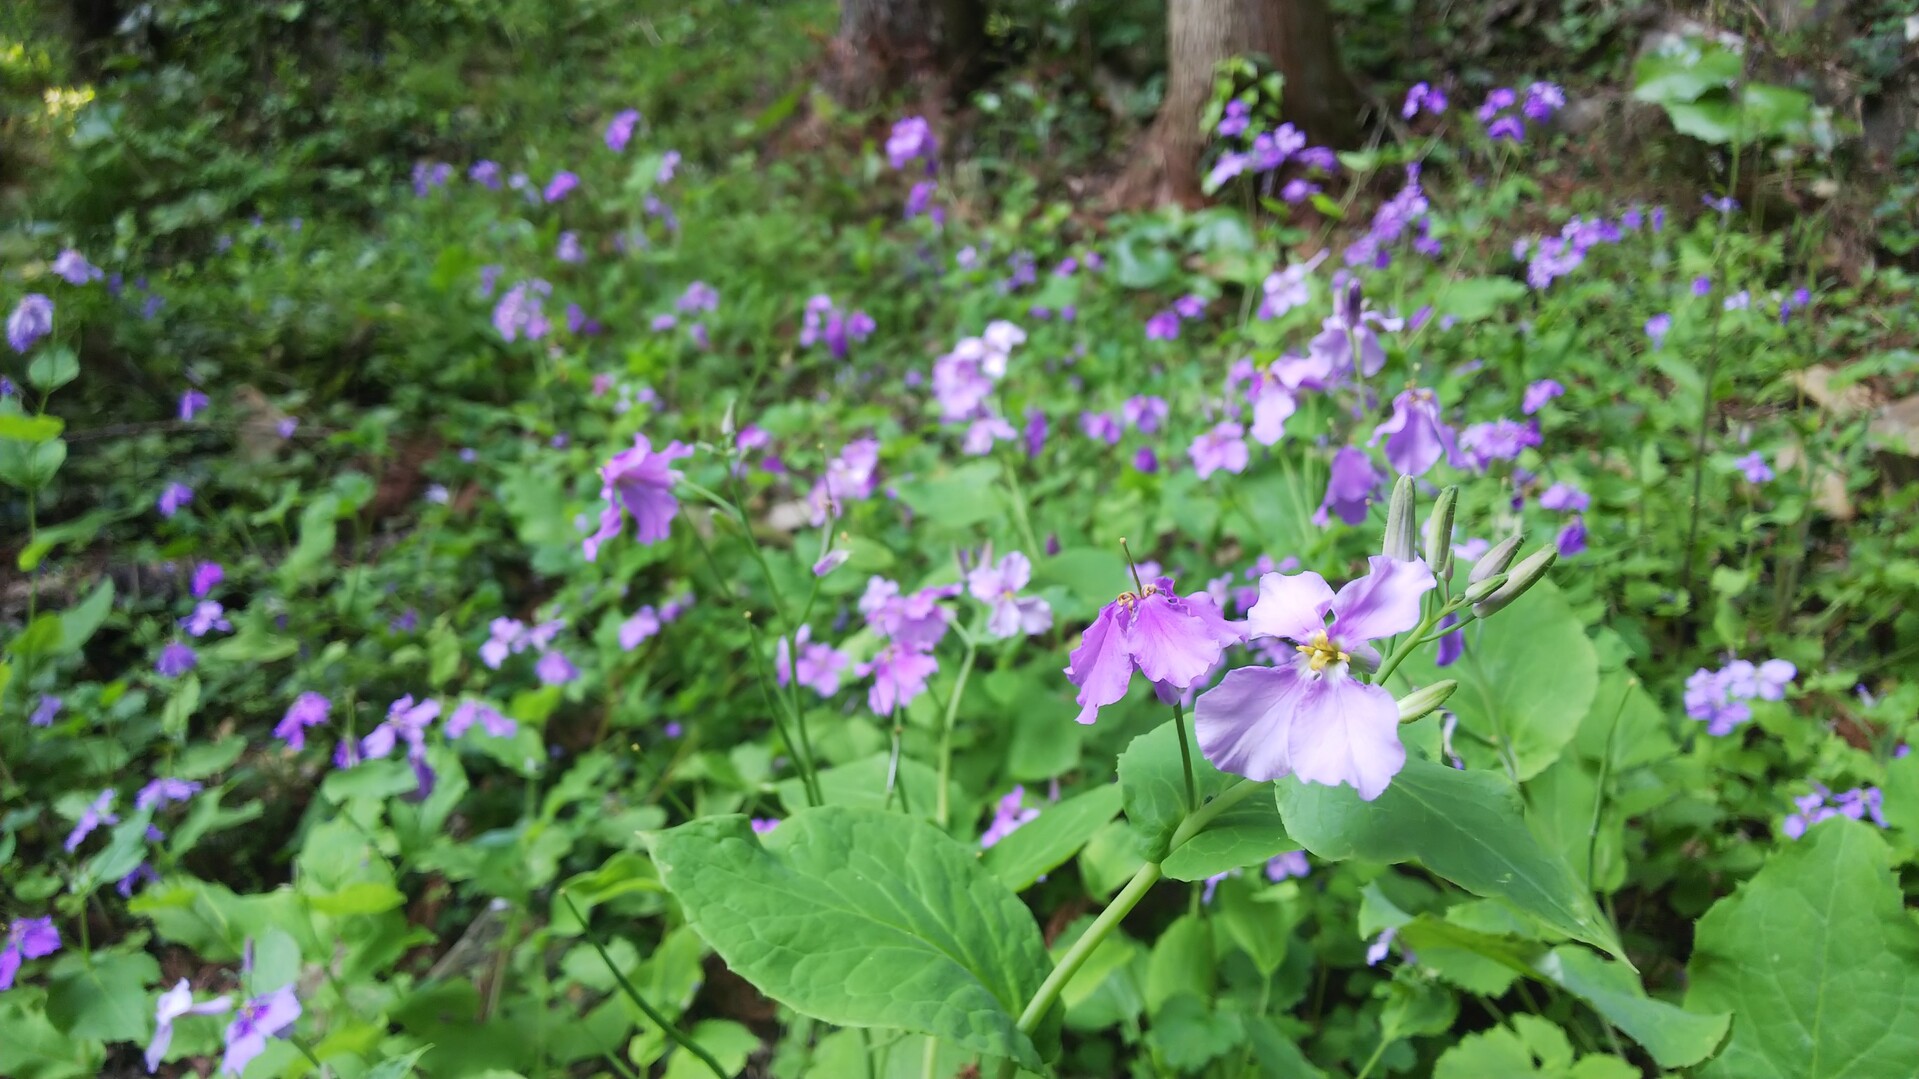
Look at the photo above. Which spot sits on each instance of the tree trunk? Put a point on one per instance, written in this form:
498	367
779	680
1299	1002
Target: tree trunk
1295	35
884	45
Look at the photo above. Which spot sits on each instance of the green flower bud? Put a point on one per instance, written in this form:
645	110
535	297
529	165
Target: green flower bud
1479	590
1422	702
1497	559
1439	528
1522	577
1399	522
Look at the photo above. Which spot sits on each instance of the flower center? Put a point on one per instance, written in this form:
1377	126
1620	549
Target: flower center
1322	653
1130	600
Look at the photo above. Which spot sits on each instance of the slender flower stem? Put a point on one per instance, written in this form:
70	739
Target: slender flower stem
1185	756
942	809
666	1026
1405	648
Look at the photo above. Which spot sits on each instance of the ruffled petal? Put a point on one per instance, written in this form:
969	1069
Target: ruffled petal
1292	606
1243	723
1345	732
1101	666
1382	603
1171	644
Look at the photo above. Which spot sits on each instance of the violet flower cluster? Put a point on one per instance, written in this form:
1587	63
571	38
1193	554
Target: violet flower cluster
1719	698
1860	803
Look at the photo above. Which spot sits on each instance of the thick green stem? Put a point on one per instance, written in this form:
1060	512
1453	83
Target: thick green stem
1083	948
1185	756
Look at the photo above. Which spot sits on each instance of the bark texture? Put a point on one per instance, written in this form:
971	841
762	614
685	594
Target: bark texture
884	45
1295	35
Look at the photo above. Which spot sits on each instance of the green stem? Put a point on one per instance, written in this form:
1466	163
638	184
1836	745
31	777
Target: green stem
1083	948
1185	756
942	809
672	1032
1406	647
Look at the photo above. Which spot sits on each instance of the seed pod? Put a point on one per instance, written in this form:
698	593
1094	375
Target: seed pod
1497	559
1523	576
1399	522
1439	528
1422	702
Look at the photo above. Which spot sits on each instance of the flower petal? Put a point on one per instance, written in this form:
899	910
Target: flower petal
1382	603
1345	732
1290	605
1101	666
1171	644
1243	722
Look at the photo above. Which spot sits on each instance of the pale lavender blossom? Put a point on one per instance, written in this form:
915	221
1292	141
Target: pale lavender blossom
640	628
1101	427
619	130
208	615
1423	97
911	140
1754	467
998	586
1349	488
31	320
1564	498
1145	414
206	577
1235	120
638	481
1174	642
27	938
490	720
851	476
309	709
1657	327
162	791
569	249
562	185
173	498
1289	864
1221	448
174	1004
1540	392
45	711
99	812
175	660
554	669
1416	436
1009	816
263	1017
820	665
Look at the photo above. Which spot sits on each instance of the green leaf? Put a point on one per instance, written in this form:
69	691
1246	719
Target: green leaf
1258	919
729	1042
1676	1038
1715	120
1141	261
106	1001
364	897
1189	1033
1496	1052
1665	79
31	466
1152	783
863	783
1048	840
32	1048
79	623
33	429
254	644
1479	298
1775	111
862	918
1464	826
957	498
1527	680
317	537
398	1067
1181	962
1818	961
1250	833
53	368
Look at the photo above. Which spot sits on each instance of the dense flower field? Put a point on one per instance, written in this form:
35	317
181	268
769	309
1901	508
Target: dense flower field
809	618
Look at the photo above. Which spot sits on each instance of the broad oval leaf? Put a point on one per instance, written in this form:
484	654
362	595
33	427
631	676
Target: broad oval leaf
1250	833
1817	960
1674	1036
862	918
1048	840
1464	826
1152	782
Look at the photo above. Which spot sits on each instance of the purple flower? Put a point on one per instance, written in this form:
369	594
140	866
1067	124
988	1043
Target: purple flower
1234	122
1381	946
522	311
1223	447
1539	393
569	249
309	709
1497	101
1709	698
1035	434
206	577
1565	498
1289	864
1286	289
560	186
1657	327
1145	414
1857	804
982	433
1163	326
27	938
1172	641
1350	487
1298	190
640	482
98	813
160	792
1416	436
644	624
669	165
1572	537
44	712
1510	128
619	130
1452	646
174	1004
699	296
763	825
1771	679
1348	335
1499	440
554	669
486	174
819	667
1008	817
1273	405
1701	285
175	660
1309	716
998	587
1146	460
917	620
73	268
899	673
257	1020
919	198
1101	427
849	477
1754	466
1543	99
1190	306
490	720
31	320
208	615
173	498
911	140
1423	97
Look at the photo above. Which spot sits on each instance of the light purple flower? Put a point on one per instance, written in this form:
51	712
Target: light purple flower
1498	440
1163	326
31	320
1348	336
764	825
1539	393
1543	99
1350	487
160	792
1145	414
669	165
208	615
174	1004
1709	699
820	664
640	482
1416	435
1564	498
286	427
1423	97
257	1020
1754	466
309	709
1657	327
44	712
1381	946
916	620
554	669
1572	537
569	249
73	268
96	814
849	477
175	659
998	587
1172	641
911	140
173	498
406	722
619	130
522	311
560	186
1309	716
1284	290
1235	120
983	433
1222	447
1009	816
1146	460
206	577
27	938
899	672
490	720
1035	433
1288	865
636	630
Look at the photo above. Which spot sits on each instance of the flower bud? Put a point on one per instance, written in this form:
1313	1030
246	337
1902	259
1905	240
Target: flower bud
1422	702
1439	528
1479	590
1497	559
1523	576
1399	522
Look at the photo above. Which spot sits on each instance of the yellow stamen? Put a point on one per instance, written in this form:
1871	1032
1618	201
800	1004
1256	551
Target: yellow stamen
1322	653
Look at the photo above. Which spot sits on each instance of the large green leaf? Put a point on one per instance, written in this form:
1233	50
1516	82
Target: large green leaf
1817	960
1152	782
80	622
1250	833
32	1048
1464	826
1047	840
1675	1037
105	1001
1527	680
864	918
